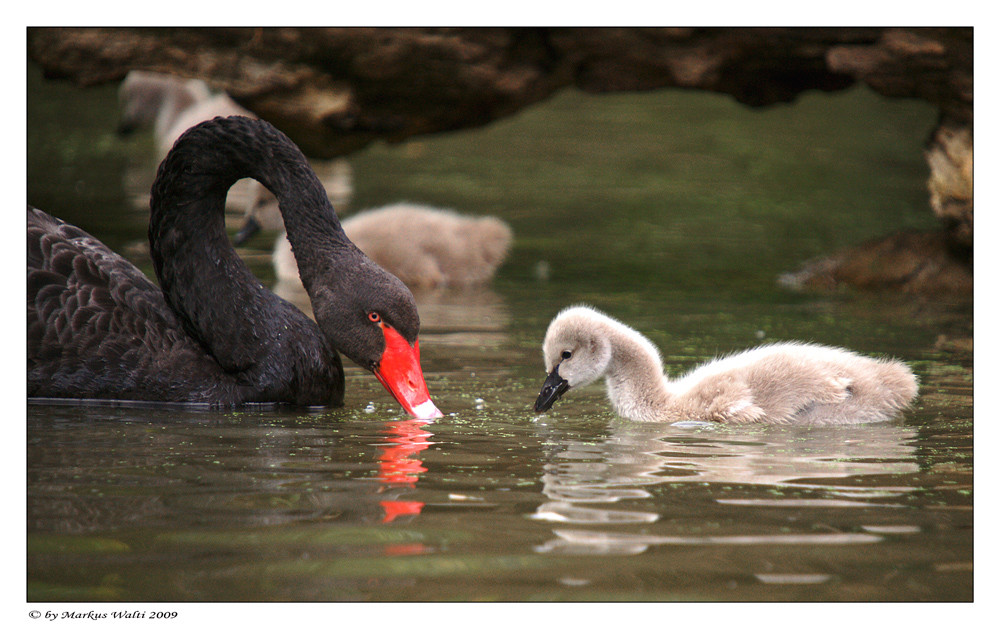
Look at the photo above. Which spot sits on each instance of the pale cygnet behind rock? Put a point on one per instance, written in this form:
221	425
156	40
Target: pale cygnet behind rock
170	105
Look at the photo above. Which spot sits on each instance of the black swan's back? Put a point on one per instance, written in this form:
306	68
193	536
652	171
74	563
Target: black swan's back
98	328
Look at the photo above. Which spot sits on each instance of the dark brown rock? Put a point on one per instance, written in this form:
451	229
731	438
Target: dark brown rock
333	90
934	64
924	263
950	159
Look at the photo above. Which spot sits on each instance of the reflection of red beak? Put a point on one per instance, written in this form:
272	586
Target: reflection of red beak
399	372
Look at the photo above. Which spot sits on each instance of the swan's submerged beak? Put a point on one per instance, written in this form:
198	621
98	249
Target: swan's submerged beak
553	387
399	372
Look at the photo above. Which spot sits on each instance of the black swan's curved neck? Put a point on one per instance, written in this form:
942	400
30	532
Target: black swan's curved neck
220	301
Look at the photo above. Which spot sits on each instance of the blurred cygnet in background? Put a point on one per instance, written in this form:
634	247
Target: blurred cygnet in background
170	105
425	247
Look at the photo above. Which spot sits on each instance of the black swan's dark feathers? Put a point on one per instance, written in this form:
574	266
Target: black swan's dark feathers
98	328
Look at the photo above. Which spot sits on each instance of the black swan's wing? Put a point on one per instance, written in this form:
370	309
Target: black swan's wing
98	328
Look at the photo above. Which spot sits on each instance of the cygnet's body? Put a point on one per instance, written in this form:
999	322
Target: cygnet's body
781	383
423	246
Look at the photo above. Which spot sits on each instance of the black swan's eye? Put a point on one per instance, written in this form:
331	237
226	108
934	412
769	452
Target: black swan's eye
566	354
374	317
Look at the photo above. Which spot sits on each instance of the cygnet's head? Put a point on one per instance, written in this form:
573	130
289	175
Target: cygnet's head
576	350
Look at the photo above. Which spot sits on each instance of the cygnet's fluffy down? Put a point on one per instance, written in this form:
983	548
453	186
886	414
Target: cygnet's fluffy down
423	246
170	104
781	383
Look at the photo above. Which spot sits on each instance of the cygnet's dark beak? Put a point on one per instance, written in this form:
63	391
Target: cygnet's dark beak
250	229
126	128
554	386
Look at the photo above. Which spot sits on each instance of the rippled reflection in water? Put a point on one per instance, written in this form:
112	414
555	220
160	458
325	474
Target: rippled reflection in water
495	503
604	483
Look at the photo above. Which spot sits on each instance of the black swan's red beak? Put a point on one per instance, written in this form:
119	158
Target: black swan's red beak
399	372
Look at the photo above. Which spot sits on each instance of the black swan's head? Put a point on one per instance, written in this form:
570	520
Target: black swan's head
371	317
364	312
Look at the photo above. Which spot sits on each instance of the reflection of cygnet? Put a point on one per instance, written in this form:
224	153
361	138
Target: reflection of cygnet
779	383
425	247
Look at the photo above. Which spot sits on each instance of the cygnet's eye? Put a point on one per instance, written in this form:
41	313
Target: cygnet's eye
566	354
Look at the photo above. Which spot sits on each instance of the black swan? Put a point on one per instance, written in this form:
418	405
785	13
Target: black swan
781	383
97	328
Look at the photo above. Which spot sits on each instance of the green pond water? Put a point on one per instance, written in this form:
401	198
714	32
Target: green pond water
674	212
